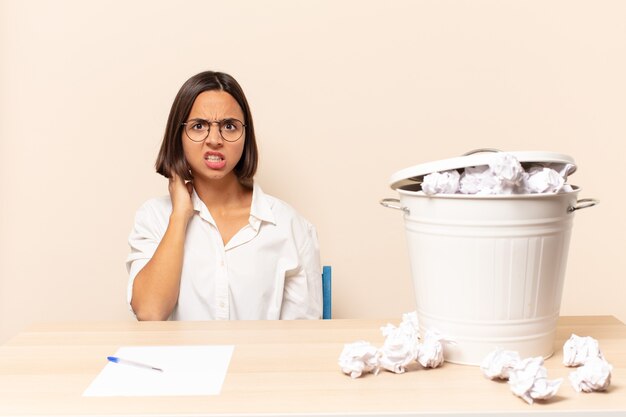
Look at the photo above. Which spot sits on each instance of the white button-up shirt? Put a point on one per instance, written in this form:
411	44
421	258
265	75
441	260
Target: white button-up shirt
269	270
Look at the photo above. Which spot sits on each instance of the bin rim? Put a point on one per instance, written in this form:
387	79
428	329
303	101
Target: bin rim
414	174
419	193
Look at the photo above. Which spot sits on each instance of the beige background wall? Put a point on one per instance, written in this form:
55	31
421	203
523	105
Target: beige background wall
344	93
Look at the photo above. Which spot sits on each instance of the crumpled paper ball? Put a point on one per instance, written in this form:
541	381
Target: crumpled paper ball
410	324
359	357
595	372
594	375
528	380
502	175
477	180
577	350
399	349
543	180
441	182
430	351
508	172
499	363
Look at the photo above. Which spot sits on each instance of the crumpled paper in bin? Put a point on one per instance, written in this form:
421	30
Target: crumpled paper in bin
543	180
508	173
503	175
446	182
477	180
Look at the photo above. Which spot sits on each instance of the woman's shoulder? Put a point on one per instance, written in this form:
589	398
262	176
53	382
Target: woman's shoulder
284	212
155	207
291	223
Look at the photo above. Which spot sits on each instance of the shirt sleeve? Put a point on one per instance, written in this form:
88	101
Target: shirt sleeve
302	293
143	241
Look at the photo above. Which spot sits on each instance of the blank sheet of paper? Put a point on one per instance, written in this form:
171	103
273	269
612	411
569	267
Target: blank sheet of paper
187	370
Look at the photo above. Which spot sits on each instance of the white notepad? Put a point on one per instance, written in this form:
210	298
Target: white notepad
187	370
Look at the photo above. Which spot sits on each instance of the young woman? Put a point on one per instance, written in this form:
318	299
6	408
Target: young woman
218	247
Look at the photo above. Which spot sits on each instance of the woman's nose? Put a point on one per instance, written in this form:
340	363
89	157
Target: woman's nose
215	138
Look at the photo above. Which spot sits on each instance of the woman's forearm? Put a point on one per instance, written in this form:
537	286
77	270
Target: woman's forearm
156	286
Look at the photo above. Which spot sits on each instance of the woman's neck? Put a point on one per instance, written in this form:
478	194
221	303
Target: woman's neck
224	192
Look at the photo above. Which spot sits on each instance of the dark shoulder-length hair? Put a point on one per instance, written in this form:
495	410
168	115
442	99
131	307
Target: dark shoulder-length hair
171	158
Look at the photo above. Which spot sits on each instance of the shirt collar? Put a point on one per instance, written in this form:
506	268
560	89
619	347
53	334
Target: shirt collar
260	209
200	207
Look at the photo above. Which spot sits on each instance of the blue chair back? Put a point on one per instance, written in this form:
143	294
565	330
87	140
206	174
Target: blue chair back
326	292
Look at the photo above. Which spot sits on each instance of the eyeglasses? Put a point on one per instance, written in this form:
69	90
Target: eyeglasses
231	130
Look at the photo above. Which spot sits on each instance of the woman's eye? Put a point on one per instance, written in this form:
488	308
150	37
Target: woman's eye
198	126
229	126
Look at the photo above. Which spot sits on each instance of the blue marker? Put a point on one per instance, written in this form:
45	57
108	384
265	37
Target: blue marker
132	363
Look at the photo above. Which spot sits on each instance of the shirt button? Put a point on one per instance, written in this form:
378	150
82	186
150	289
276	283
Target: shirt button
222	304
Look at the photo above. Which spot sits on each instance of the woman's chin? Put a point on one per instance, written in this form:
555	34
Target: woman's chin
213	175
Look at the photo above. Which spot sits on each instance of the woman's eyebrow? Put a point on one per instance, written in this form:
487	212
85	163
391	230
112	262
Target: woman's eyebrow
218	120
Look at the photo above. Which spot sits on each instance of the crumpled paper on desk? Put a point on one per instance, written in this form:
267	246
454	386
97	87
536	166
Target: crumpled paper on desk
595	372
594	375
578	350
359	357
528	380
410	324
499	363
399	349
430	351
402	345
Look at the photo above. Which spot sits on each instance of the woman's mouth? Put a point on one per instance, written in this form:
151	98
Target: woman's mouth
214	160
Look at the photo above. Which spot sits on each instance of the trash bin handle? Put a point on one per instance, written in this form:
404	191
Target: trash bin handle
583	203
394	203
479	150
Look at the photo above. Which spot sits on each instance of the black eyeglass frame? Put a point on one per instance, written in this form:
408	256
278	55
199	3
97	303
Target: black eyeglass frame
208	132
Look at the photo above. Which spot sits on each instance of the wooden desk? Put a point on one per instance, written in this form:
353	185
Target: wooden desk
282	367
